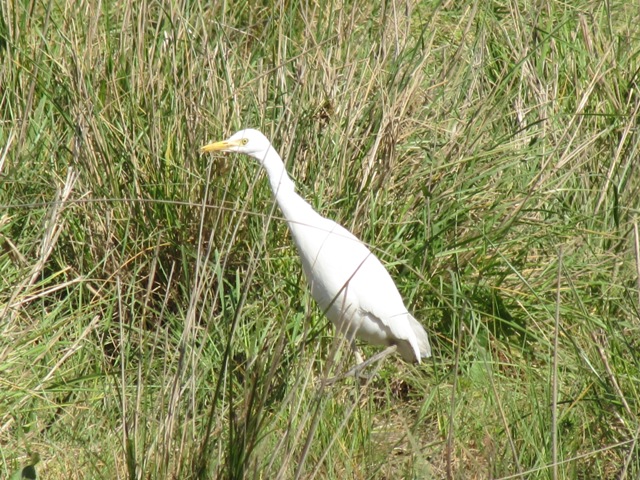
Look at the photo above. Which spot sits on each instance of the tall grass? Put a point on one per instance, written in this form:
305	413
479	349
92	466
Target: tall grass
154	320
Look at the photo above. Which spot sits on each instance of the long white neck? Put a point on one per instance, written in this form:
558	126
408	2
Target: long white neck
292	205
280	182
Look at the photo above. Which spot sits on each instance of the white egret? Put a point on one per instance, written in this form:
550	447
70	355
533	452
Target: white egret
347	281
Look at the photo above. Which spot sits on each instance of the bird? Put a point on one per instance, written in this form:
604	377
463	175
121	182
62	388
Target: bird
348	282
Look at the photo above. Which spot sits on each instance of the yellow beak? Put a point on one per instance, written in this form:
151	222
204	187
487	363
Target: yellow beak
220	146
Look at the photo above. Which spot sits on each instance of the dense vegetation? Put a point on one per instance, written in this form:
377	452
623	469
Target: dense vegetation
154	322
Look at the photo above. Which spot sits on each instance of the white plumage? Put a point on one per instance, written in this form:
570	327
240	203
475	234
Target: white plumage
347	281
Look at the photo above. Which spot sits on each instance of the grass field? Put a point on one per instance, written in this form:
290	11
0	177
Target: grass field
154	321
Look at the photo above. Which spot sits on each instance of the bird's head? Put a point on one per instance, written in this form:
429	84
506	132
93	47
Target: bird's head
248	141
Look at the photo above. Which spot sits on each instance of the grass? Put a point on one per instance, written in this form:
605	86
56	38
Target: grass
154	322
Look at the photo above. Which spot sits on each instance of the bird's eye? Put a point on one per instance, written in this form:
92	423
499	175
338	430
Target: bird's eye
245	141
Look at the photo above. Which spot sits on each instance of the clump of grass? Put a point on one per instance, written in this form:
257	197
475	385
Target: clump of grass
155	322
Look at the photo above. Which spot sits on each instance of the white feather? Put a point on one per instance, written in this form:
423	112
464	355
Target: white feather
347	280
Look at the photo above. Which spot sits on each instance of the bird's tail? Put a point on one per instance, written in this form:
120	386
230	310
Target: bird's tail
422	337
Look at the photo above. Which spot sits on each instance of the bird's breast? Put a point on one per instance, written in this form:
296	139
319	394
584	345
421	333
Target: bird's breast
333	261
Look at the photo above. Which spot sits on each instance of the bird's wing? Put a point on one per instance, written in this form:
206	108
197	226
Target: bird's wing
380	300
343	271
369	284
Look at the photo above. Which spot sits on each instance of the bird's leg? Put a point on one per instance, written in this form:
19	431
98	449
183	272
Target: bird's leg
363	379
356	353
355	371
